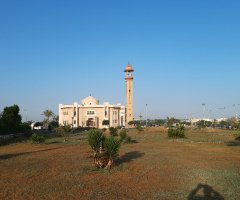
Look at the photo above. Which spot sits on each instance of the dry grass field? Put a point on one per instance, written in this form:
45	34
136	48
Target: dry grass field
205	165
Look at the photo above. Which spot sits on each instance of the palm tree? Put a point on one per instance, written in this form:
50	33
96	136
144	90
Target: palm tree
48	114
140	119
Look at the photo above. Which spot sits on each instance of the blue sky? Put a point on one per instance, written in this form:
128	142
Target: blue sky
184	53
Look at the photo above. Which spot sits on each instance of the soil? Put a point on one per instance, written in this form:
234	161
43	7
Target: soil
203	166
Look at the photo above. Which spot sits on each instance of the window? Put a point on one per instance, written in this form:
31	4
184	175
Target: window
74	121
115	117
90	112
65	122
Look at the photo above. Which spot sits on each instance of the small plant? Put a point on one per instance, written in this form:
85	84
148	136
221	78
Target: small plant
37	139
123	135
113	131
128	140
139	128
105	148
104	129
118	127
112	146
64	131
176	133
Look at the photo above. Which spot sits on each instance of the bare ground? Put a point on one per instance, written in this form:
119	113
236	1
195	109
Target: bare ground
206	165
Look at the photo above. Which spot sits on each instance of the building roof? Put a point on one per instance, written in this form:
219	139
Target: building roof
90	101
128	69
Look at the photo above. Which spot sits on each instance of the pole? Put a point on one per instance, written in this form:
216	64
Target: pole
146	115
204	112
26	114
82	115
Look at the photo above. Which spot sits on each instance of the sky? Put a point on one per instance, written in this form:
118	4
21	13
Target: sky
184	53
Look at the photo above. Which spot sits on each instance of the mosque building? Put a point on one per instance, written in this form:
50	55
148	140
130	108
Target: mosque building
91	114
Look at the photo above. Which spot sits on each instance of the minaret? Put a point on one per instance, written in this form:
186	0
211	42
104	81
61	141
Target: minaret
129	95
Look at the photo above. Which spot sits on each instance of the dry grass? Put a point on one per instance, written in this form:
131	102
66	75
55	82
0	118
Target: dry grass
156	129
154	167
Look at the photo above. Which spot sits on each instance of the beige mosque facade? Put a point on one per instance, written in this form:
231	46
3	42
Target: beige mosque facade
91	114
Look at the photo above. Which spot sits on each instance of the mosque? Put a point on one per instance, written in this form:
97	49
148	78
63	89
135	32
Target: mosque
91	114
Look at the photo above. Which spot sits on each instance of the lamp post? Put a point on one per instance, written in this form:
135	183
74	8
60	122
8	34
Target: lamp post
146	115
26	114
222	111
236	105
204	112
209	113
82	115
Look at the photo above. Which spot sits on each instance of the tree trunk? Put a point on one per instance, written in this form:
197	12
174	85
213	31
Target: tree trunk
110	163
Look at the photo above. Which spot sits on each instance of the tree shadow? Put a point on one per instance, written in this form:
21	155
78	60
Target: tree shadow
128	157
12	155
207	193
233	143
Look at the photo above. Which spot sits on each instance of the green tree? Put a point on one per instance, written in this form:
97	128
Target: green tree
10	115
223	123
95	140
140	119
105	122
171	121
112	146
105	149
64	131
130	123
48	114
11	120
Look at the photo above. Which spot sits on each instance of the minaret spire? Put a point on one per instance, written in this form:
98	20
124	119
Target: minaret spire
129	94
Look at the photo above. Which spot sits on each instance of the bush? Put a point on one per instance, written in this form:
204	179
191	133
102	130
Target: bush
111	145
95	139
105	148
176	133
113	131
104	129
64	131
37	139
123	135
139	128
128	140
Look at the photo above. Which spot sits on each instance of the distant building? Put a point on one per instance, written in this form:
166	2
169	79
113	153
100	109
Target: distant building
91	114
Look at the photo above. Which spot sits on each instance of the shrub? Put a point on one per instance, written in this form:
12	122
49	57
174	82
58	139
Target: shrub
176	133
105	148
104	129
64	131
139	128
37	139
128	140
95	139
113	131
118	127
123	135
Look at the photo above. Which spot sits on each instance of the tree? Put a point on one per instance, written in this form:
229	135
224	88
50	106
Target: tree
130	123
55	118
48	114
105	149
223	123
64	131
112	146
105	122
171	121
95	140
10	115
140	119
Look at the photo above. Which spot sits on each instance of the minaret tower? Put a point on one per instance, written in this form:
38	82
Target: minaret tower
129	95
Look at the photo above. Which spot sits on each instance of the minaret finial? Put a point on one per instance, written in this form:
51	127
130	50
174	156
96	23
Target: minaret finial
128	63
